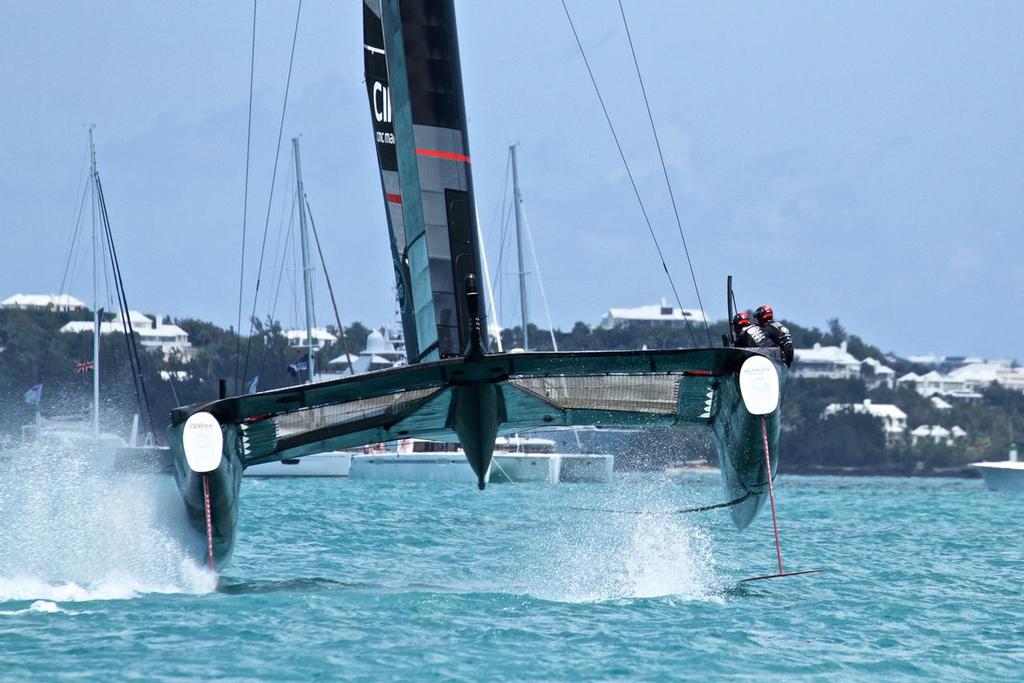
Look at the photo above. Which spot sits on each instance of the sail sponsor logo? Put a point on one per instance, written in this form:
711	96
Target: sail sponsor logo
381	103
385	138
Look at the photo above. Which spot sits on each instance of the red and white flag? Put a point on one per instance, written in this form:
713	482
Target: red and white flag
84	366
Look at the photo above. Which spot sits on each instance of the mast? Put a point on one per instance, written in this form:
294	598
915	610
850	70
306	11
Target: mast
307	270
95	296
517	197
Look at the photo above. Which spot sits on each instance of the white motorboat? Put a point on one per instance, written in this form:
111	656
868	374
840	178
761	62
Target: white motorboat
524	459
415	460
329	464
1006	475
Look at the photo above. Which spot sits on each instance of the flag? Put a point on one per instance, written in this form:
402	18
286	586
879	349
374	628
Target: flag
253	384
34	395
84	366
300	366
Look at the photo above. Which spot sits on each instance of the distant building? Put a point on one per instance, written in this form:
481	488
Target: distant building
893	419
154	334
937	434
654	316
875	374
965	382
321	338
382	351
944	363
832	362
53	302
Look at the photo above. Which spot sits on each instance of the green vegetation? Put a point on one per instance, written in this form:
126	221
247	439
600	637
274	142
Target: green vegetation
34	351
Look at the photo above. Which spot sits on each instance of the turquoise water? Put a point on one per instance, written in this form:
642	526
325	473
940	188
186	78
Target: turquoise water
369	580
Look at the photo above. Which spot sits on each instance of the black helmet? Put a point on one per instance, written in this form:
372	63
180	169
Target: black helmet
741	320
764	314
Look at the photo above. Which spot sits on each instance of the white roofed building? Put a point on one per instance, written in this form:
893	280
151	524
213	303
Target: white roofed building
966	381
875	374
977	376
52	302
937	434
894	420
154	334
655	315
382	351
321	338
832	362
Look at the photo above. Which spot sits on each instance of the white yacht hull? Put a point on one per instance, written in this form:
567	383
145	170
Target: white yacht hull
448	466
586	468
1002	476
331	464
542	468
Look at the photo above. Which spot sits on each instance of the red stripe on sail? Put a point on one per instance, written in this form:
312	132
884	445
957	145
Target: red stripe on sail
393	198
443	155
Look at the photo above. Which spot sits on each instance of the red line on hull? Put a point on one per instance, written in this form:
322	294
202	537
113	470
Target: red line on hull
443	155
209	520
393	198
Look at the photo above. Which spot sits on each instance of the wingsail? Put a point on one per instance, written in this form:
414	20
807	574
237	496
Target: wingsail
414	82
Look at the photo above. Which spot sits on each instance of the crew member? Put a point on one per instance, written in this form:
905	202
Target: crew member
748	335
775	331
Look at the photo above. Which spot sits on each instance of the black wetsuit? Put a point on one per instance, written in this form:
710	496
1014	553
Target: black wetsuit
779	335
752	337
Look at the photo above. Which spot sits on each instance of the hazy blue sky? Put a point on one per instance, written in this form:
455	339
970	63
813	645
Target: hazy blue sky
860	160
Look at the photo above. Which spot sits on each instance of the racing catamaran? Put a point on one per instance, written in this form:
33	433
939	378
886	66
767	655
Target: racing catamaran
453	388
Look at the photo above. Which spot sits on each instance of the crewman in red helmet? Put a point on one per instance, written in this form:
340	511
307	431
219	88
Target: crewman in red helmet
775	331
748	335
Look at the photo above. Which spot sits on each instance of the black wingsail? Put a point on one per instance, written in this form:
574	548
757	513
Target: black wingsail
375	67
414	82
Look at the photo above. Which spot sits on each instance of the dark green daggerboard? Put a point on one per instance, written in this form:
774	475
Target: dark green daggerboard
472	401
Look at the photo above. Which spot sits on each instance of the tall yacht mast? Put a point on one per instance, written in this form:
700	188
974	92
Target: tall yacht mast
307	270
95	295
517	197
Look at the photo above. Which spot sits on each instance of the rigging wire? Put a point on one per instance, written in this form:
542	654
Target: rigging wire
629	172
330	288
283	249
245	198
273	180
122	298
75	229
540	280
664	170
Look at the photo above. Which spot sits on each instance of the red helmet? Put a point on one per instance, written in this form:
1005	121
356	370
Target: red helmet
764	314
741	320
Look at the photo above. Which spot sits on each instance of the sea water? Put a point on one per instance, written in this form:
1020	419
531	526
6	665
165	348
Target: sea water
334	579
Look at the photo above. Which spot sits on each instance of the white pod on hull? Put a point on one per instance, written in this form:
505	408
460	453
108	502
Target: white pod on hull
759	385
202	442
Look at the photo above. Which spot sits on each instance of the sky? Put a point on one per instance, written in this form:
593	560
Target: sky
855	160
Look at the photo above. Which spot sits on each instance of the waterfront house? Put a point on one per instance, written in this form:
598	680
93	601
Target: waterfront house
154	334
321	338
893	419
937	434
653	316
52	302
832	362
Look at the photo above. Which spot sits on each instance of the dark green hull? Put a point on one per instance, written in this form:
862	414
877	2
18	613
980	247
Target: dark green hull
473	400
